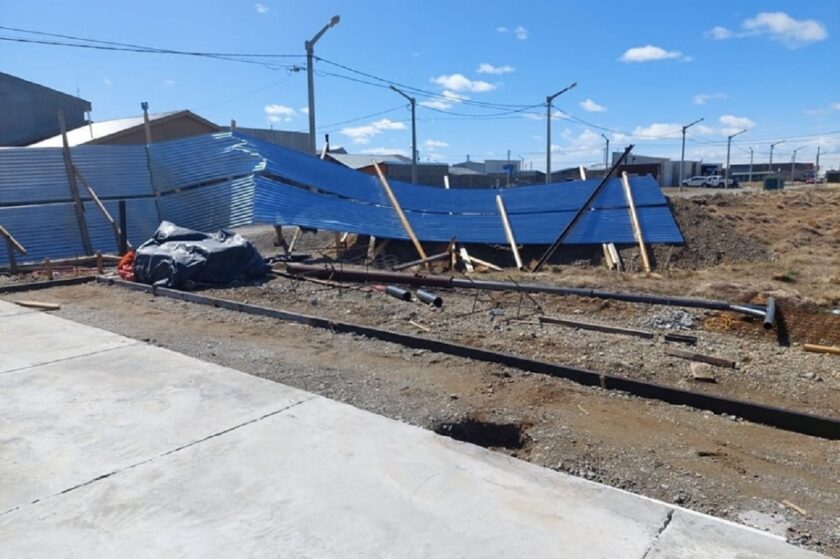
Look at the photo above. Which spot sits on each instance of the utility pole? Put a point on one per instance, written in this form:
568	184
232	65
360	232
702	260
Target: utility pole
793	164
606	154
682	155
751	163
548	101
817	168
413	103
310	78
772	147
728	150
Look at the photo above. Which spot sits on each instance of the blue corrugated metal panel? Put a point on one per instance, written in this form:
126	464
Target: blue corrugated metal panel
32	175
46	230
213	207
113	171
201	159
280	204
141	217
330	177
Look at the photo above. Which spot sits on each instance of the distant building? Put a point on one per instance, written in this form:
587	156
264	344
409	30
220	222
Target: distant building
663	169
491	166
393	166
741	171
293	140
29	112
164	126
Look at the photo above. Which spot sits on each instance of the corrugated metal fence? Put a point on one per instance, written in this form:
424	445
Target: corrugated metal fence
227	180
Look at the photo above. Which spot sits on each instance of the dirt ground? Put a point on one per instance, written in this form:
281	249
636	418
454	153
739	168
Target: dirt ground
741	247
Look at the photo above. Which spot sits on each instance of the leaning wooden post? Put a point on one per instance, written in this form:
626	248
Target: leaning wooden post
74	188
634	218
108	217
12	245
100	268
48	268
406	225
582	172
508	231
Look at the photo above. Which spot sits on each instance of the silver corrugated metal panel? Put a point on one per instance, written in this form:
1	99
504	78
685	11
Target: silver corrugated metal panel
201	159
32	175
213	207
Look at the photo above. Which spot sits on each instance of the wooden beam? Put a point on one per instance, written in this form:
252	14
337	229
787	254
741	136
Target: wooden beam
813	348
432	258
634	218
582	172
38	305
108	217
614	255
597	327
607	257
295	237
465	256
74	188
508	231
683	354
485	263
404	220
8	236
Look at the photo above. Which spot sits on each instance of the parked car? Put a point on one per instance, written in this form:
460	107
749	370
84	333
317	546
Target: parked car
717	181
696	181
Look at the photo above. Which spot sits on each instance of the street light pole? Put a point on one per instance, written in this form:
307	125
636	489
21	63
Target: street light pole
413	103
751	163
548	101
793	164
606	154
310	78
728	150
682	155
772	147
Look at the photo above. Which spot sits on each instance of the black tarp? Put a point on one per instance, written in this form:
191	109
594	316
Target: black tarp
182	258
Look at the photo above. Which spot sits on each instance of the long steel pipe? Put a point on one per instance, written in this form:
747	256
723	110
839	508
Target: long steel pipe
440	281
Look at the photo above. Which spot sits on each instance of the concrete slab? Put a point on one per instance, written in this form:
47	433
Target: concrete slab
34	338
71	421
10	309
141	452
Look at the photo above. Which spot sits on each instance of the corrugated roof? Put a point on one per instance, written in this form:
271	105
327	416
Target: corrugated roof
361	160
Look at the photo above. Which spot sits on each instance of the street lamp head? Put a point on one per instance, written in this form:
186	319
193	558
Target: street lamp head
334	20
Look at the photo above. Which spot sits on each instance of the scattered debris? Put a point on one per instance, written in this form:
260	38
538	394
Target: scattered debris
798	509
597	327
702	372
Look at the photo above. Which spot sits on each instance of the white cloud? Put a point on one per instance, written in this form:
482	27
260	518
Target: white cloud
386	151
485	68
363	134
107	81
835	106
304	110
432	144
657	130
459	82
445	100
733	124
521	33
502	29
648	53
703	98
168	83
279	113
591	106
778	26
261	8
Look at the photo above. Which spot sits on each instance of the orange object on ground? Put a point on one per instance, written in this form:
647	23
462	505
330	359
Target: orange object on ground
125	267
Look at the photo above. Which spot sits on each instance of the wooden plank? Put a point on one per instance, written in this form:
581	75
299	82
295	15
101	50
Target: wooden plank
74	188
616	257
404	220
485	263
508	231
690	340
634	219
8	236
596	327
38	305
608	261
582	172
432	258
294	241
465	257
114	225
711	360
814	348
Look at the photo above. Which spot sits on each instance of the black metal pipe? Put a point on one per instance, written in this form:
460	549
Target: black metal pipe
429	298
398	293
770	314
439	281
123	248
790	420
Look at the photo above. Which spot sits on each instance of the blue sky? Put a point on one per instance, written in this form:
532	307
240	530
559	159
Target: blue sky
643	69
